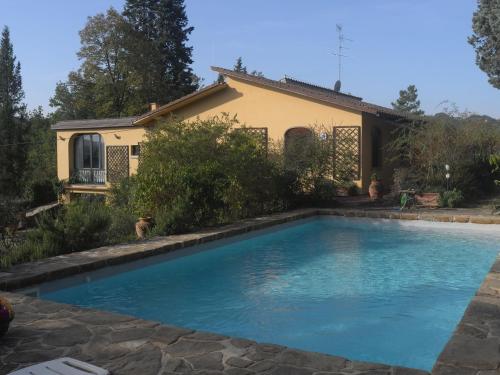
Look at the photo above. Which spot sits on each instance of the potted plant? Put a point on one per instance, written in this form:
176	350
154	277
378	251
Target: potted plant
143	225
427	199
6	315
376	188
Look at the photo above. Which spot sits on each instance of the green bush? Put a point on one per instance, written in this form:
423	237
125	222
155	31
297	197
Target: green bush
463	143
80	225
309	160
451	199
84	224
204	173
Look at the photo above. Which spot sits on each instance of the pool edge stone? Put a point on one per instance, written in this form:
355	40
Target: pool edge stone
126	345
475	344
489	293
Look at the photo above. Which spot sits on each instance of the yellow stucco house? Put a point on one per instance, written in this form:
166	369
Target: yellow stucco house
92	154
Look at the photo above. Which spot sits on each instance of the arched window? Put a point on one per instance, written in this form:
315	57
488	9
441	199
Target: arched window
89	159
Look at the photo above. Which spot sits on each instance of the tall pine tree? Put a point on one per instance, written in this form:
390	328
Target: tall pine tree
408	101
12	119
163	57
239	67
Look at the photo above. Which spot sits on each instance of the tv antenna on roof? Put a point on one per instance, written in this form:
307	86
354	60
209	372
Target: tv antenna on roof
340	54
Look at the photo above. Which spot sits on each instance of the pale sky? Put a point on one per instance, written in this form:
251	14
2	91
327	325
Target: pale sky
394	43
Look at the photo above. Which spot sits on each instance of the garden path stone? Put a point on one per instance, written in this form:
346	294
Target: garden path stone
210	361
238	362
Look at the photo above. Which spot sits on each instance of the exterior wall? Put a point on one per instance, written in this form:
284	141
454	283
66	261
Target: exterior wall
385	171
256	106
110	137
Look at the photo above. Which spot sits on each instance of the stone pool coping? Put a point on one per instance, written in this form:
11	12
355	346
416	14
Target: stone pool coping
45	330
474	348
27	274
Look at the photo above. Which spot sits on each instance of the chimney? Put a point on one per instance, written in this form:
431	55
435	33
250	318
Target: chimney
153	107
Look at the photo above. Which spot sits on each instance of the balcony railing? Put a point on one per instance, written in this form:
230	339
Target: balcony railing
89	176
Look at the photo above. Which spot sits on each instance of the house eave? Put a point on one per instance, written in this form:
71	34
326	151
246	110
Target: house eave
179	103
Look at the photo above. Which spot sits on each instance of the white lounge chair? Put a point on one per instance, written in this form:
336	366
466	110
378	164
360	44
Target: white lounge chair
62	366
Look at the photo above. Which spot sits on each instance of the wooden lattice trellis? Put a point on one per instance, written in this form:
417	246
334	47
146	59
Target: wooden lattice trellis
117	162
347	151
259	133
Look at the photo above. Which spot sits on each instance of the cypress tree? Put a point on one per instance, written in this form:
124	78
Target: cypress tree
239	67
163	57
12	119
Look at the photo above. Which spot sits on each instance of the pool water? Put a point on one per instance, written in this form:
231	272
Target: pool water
379	291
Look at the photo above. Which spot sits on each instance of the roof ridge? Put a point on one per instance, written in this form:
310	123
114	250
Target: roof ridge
313	85
342	100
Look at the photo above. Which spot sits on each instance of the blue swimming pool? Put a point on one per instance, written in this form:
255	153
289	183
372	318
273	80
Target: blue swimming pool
380	291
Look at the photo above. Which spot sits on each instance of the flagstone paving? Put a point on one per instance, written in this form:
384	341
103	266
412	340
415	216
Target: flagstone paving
46	330
125	345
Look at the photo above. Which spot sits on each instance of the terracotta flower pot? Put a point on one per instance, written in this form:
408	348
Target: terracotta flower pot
376	190
6	315
143	226
430	200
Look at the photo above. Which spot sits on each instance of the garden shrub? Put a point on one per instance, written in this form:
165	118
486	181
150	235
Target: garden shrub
494	161
204	173
77	226
190	175
309	160
464	143
451	199
42	192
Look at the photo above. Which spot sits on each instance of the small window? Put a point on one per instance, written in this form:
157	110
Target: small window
135	150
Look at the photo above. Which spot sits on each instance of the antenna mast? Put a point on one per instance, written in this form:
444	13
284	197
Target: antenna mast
340	54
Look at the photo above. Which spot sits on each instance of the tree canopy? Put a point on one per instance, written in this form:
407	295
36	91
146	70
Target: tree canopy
486	39
162	56
12	117
239	67
128	61
408	101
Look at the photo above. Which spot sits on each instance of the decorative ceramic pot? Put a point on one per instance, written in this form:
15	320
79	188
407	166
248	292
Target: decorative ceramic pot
6	315
143	226
376	190
429	200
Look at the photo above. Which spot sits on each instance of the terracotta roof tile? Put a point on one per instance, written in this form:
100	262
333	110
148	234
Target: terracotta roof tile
312	92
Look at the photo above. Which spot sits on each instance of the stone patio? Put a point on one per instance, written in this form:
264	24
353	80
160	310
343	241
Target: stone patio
474	348
125	345
46	330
